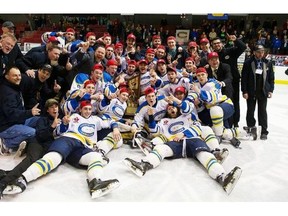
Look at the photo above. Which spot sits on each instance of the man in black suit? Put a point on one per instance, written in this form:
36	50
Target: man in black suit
257	84
230	55
221	72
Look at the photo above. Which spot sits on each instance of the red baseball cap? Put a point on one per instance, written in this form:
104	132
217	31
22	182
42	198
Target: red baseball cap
111	62
85	103
98	66
201	70
53	39
131	36
212	55
180	89
149	90
204	40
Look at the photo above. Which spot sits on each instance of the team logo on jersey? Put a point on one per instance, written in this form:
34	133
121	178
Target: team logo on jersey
165	122
87	129
227	57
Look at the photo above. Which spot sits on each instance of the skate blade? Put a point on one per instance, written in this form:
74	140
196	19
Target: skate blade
12	189
102	192
141	146
133	168
144	149
229	188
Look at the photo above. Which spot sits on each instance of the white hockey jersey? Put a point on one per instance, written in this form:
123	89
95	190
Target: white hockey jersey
169	127
85	129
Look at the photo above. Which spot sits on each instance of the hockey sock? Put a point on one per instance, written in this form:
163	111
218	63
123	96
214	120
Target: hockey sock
42	166
94	162
210	163
216	114
209	137
158	154
108	143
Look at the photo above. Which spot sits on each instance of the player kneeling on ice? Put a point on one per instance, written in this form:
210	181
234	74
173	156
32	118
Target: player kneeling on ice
183	140
77	147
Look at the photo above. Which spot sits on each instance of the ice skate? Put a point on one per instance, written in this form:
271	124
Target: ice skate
106	160
252	131
221	155
2	187
219	139
235	142
143	143
3	149
3	173
17	187
99	188
21	149
230	179
139	168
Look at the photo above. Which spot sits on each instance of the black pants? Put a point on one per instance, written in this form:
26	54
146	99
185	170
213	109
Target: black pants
262	112
235	100
34	151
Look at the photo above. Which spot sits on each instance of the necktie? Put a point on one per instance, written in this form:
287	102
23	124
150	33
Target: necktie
214	73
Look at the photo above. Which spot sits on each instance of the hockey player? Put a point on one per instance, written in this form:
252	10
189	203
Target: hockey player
207	133
96	75
76	146
117	108
183	135
173	82
147	78
73	101
216	108
158	104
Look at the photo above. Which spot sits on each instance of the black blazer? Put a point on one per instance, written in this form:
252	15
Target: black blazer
224	75
248	80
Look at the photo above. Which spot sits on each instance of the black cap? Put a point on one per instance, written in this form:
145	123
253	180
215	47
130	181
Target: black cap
50	102
47	67
8	24
259	47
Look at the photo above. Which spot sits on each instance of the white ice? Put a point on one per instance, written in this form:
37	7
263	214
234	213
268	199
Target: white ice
264	177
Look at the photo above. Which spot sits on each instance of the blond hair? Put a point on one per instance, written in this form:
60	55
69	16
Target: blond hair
8	34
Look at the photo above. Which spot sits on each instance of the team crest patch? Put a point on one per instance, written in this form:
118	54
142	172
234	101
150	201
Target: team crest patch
166	122
227	57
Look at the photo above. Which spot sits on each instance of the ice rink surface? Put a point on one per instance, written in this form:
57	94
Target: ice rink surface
182	181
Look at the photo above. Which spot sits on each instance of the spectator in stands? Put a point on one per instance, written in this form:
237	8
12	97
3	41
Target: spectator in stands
15	53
